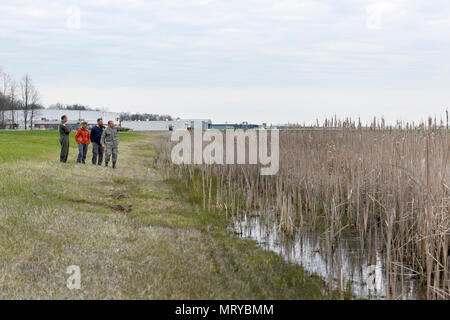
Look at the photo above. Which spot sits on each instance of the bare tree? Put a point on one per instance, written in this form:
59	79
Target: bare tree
56	106
12	98
2	117
5	79
34	106
12	101
28	92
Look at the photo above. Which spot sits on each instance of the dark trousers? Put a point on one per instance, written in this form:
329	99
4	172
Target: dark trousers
97	151
82	152
64	150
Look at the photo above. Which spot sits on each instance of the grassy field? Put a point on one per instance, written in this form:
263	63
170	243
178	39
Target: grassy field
134	235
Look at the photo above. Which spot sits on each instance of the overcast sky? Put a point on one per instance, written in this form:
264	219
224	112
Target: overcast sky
234	60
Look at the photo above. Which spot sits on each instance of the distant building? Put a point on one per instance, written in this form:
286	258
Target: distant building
234	126
49	119
180	124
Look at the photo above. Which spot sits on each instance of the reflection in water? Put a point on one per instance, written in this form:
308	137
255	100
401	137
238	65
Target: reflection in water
363	279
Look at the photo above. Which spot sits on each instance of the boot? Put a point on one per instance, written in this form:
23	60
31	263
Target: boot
114	165
106	164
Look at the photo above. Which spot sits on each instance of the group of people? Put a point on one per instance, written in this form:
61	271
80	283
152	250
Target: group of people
102	138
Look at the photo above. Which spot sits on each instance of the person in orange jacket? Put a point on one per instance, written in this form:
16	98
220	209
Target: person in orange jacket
83	139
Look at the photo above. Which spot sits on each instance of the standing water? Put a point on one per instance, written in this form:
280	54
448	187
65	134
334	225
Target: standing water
352	269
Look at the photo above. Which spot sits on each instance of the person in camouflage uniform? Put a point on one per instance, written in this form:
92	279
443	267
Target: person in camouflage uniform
64	132
110	141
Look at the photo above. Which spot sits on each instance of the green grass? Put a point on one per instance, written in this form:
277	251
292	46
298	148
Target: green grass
39	145
133	234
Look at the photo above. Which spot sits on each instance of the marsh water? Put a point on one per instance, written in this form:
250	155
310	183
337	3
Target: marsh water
352	268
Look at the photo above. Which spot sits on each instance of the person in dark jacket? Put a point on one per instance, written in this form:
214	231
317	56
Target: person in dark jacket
97	148
64	132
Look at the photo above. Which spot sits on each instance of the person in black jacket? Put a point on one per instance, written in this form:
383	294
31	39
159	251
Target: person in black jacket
64	132
97	148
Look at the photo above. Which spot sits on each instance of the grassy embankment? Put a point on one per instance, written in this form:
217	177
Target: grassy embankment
134	235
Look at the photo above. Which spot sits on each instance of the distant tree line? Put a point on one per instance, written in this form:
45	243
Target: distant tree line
17	96
126	116
60	106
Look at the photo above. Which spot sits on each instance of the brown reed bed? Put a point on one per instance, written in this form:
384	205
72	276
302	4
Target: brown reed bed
387	185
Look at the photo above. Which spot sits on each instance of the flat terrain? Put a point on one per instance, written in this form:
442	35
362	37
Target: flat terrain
134	235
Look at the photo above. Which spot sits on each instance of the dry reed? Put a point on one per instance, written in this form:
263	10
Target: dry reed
388	183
